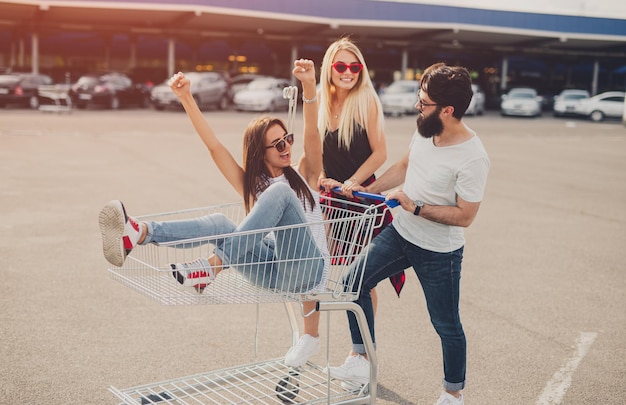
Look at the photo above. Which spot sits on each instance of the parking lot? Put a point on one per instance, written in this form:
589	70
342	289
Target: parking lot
543	292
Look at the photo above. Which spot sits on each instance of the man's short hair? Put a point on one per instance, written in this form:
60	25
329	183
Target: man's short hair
448	86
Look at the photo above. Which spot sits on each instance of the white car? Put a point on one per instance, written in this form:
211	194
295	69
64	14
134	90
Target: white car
240	82
521	101
400	98
209	89
568	100
609	104
262	94
477	103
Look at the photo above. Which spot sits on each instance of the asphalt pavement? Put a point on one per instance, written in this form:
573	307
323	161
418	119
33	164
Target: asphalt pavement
543	291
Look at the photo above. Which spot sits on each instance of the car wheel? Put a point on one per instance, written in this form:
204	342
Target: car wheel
33	102
223	103
596	116
146	102
115	103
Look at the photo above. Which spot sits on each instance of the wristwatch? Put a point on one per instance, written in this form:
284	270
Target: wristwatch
418	206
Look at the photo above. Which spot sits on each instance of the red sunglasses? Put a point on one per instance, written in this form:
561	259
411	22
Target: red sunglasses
341	67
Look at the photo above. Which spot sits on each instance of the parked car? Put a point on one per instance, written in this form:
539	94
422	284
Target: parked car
603	105
521	101
263	94
110	90
477	103
21	89
400	97
240	82
547	100
209	89
566	102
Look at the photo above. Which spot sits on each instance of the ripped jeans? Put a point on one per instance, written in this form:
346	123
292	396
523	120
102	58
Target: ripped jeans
287	260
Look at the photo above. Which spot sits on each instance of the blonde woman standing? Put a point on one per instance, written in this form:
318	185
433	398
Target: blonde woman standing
352	123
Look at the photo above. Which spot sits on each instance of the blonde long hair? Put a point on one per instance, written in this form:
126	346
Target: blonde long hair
360	98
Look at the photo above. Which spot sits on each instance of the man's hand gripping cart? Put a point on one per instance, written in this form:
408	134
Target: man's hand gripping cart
256	279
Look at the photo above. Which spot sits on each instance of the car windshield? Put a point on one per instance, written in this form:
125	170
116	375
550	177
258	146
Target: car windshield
193	76
398	88
87	81
9	79
521	94
262	84
574	96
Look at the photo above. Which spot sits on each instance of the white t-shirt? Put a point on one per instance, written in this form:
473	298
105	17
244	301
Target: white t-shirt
436	175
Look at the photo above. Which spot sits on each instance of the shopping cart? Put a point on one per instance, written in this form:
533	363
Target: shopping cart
287	277
55	98
348	230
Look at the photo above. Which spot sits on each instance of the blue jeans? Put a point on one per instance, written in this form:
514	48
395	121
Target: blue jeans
289	260
439	274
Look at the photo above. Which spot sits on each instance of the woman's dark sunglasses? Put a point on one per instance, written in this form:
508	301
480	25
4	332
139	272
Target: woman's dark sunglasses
341	67
281	144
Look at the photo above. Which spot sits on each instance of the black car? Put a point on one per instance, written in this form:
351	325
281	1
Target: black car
21	89
109	90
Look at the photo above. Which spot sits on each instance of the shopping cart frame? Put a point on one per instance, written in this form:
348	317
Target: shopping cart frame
146	271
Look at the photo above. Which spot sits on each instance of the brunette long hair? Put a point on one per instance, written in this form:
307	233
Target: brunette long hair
256	176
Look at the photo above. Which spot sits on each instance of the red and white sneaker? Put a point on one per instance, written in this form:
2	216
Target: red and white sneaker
197	274
120	232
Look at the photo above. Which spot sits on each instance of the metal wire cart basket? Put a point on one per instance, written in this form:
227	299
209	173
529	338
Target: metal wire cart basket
348	228
295	272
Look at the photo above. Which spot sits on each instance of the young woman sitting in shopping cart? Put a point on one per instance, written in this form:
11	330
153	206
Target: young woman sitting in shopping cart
275	195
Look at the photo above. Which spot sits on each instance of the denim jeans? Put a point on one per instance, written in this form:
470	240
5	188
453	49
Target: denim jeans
287	260
439	274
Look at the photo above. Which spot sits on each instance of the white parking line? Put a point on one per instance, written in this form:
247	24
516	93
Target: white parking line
556	388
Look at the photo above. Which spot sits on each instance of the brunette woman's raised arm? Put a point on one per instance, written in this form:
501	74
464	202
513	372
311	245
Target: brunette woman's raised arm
310	165
224	160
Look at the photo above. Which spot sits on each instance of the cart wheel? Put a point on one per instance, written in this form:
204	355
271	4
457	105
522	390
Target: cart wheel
287	388
154	398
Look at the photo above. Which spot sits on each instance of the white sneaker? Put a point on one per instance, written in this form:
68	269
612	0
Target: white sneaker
351	386
449	399
355	369
299	354
120	232
197	274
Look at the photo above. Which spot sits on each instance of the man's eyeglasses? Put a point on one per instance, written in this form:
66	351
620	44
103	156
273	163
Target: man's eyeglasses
341	67
421	102
281	144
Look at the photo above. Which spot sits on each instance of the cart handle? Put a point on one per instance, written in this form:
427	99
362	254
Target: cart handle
377	197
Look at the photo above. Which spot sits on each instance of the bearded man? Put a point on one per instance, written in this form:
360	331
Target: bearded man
442	178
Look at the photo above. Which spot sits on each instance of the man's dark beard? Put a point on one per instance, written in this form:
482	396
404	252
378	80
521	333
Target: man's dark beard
430	125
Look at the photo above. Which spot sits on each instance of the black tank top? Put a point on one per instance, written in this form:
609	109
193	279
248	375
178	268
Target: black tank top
341	163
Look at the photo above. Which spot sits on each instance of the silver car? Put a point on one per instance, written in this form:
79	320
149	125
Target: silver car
400	98
521	101
609	105
209	89
240	82
477	103
262	94
568	100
